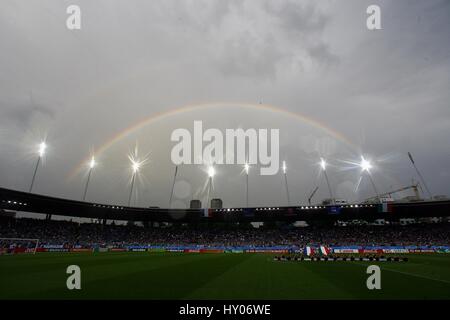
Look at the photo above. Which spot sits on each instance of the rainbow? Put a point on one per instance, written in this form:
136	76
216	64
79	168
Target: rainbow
194	107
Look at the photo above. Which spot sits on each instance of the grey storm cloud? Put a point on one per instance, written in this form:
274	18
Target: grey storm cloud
379	93
266	34
22	115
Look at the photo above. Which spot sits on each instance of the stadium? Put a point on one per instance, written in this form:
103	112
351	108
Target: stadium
199	151
209	253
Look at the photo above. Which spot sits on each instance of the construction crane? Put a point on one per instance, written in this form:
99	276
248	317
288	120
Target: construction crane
414	187
420	175
312	195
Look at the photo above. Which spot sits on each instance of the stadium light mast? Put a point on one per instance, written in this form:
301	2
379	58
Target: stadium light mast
41	152
135	165
211	173
286	182
323	165
366	166
420	175
247	170
92	164
173	186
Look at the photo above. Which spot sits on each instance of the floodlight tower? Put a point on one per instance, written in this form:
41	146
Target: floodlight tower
41	151
420	175
135	165
286	182
173	186
366	166
211	173
247	169
323	165
92	164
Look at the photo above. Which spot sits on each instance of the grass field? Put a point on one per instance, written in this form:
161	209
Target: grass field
217	276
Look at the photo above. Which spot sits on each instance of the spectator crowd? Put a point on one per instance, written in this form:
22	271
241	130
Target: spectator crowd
91	234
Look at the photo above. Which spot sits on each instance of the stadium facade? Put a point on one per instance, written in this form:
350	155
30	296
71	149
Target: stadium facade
29	202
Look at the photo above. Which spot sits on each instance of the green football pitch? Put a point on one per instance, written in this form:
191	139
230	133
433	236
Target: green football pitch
217	276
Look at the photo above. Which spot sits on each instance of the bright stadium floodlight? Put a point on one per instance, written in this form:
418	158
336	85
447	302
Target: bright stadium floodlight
365	164
91	164
323	164
42	147
211	171
136	165
41	151
246	168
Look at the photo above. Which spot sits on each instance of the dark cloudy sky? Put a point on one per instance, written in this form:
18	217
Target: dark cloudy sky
385	91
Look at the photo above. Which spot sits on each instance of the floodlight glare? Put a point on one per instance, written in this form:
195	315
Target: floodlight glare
135	165
247	168
41	152
211	171
323	164
92	163
365	164
42	147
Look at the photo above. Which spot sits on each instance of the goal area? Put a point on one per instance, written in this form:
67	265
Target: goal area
18	245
